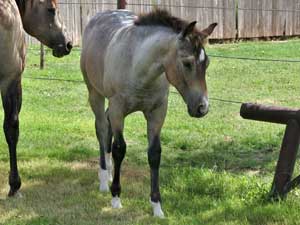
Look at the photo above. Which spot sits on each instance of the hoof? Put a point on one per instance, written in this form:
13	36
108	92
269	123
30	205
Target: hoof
116	203
103	177
14	186
15	194
12	193
157	211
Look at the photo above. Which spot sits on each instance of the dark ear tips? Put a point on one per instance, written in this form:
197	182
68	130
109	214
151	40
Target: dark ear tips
213	26
193	23
188	30
208	31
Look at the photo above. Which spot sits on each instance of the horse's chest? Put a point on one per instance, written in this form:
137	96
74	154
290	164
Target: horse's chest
12	55
12	51
144	101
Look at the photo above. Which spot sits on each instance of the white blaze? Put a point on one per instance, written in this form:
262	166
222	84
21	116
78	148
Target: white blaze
202	56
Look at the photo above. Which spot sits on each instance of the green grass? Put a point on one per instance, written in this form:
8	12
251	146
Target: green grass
216	170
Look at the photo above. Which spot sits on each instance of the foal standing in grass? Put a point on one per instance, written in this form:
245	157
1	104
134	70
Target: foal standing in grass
131	61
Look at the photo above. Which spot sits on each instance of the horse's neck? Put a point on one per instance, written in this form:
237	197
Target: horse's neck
149	61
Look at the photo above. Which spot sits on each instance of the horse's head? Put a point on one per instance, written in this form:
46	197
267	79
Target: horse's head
40	19
186	68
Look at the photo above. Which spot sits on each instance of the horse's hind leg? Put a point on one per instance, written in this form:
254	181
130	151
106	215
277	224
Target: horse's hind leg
12	100
155	120
103	133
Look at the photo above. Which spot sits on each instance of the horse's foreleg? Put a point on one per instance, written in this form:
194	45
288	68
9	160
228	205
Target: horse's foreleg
12	100
108	152
103	132
116	118
155	120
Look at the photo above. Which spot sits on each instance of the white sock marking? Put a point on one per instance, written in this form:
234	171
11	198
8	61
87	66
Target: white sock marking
157	211
116	203
103	177
108	165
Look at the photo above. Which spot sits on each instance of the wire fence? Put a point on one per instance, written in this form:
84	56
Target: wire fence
220	56
221	100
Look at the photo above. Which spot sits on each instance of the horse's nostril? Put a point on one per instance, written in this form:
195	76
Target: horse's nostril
202	109
69	46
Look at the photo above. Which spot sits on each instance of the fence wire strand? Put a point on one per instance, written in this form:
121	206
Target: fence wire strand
226	101
255	59
183	6
228	57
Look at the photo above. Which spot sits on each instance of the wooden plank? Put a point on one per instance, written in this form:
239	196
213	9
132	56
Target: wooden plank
262	21
264	18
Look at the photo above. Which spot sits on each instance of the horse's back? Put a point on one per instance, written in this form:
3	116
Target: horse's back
12	42
98	35
103	25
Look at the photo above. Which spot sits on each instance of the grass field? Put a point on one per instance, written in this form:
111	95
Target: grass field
216	170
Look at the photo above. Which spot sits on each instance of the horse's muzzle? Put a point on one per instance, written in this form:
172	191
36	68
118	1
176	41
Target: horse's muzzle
199	110
62	49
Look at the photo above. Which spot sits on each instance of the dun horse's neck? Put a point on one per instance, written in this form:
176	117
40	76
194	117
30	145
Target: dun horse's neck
152	56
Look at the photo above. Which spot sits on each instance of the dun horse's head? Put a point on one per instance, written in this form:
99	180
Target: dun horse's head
187	67
40	19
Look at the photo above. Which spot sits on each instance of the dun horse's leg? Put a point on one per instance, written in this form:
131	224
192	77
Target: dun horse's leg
103	135
118	151
108	152
155	120
12	100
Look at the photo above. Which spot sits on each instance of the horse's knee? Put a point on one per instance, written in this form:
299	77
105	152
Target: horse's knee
11	126
14	121
118	154
119	150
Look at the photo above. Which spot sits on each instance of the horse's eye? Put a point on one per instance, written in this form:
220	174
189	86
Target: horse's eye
188	65
52	10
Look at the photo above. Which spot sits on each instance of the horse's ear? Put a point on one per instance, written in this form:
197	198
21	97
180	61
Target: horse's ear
207	31
187	30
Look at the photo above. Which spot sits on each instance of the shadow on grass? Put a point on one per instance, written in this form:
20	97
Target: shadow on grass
68	194
230	156
201	196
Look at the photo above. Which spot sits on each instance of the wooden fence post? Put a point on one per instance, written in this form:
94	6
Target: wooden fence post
42	57
282	183
121	4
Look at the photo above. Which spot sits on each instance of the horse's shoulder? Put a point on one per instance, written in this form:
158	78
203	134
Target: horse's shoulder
8	13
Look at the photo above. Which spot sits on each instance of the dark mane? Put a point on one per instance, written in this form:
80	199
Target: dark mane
21	6
161	17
